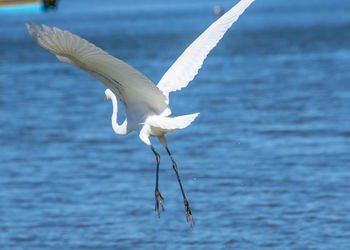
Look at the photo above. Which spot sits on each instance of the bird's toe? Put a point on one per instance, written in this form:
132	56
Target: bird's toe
159	199
189	216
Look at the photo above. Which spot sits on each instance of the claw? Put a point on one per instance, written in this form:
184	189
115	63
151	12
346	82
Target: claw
159	199
189	216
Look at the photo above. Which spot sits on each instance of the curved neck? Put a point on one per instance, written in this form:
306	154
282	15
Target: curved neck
118	129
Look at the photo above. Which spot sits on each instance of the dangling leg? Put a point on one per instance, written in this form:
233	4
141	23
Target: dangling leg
189	216
159	198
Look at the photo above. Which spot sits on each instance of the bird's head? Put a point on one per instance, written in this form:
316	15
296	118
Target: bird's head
108	94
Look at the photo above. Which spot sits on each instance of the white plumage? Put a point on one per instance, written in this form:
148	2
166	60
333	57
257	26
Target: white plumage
129	85
146	105
187	65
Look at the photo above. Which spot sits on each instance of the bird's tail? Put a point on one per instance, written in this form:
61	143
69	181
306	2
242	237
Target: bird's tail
171	123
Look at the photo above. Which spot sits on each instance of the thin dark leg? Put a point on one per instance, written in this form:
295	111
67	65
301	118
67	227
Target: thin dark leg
189	216
159	198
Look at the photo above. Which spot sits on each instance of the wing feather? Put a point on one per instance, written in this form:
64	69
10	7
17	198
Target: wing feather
128	84
187	65
171	123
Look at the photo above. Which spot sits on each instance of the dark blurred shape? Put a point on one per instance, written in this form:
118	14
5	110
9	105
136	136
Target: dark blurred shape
49	4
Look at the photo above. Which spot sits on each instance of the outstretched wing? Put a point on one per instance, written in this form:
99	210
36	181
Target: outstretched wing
129	85
187	65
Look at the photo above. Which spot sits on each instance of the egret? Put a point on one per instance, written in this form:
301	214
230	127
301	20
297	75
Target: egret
146	104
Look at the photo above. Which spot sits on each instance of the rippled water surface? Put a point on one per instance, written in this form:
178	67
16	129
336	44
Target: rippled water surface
265	165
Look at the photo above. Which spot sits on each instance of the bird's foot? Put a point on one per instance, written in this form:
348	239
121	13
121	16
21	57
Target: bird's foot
189	216
159	199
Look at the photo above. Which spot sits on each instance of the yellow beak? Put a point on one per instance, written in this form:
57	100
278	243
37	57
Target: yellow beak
106	98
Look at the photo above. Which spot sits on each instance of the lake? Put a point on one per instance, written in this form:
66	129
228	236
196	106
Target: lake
266	164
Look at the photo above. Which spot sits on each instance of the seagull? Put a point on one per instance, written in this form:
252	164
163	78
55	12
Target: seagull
146	104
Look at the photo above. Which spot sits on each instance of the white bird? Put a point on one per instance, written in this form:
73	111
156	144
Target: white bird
146	104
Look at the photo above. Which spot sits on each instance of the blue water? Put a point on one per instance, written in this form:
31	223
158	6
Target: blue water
266	165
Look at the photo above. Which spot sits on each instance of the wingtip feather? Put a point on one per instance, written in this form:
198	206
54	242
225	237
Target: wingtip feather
32	31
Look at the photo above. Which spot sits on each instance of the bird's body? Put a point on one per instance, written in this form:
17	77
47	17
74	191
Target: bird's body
146	122
146	104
